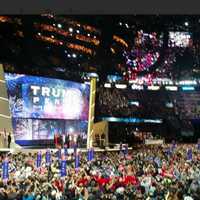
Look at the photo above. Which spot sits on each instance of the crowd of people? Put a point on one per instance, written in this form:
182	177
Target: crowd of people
111	101
148	103
147	172
135	103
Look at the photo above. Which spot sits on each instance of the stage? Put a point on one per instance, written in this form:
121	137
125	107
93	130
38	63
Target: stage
70	150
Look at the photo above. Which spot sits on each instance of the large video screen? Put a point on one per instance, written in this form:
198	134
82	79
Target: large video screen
33	131
45	98
41	107
179	39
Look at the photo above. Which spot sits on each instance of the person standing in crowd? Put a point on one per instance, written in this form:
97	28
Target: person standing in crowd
60	140
75	140
63	139
67	140
9	140
79	139
56	140
146	173
70	141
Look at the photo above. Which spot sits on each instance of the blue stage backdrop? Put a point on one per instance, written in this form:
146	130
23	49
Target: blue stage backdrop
41	107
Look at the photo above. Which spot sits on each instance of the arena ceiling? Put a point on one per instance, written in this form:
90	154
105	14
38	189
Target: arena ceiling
128	45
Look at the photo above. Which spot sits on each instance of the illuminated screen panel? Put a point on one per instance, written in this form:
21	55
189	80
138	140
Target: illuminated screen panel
114	78
45	98
34	130
179	39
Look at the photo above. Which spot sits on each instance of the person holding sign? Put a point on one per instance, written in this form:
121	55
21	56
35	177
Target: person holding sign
9	140
5	168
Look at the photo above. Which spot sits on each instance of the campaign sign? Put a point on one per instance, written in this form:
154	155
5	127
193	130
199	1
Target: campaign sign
5	166
189	154
63	171
92	154
39	159
89	155
59	153
126	150
48	157
77	160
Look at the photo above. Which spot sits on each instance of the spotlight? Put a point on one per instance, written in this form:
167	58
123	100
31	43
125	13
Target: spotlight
39	33
186	23
74	55
78	31
71	30
68	55
127	26
59	26
70	129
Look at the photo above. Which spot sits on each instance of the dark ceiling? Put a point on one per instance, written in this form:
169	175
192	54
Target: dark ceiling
26	54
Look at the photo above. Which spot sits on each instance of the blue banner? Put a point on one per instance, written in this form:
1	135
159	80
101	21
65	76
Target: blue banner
65	150
5	169
39	159
198	144
92	154
59	154
189	154
125	150
89	155
36	93
63	171
168	151
173	145
48	157
77	160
